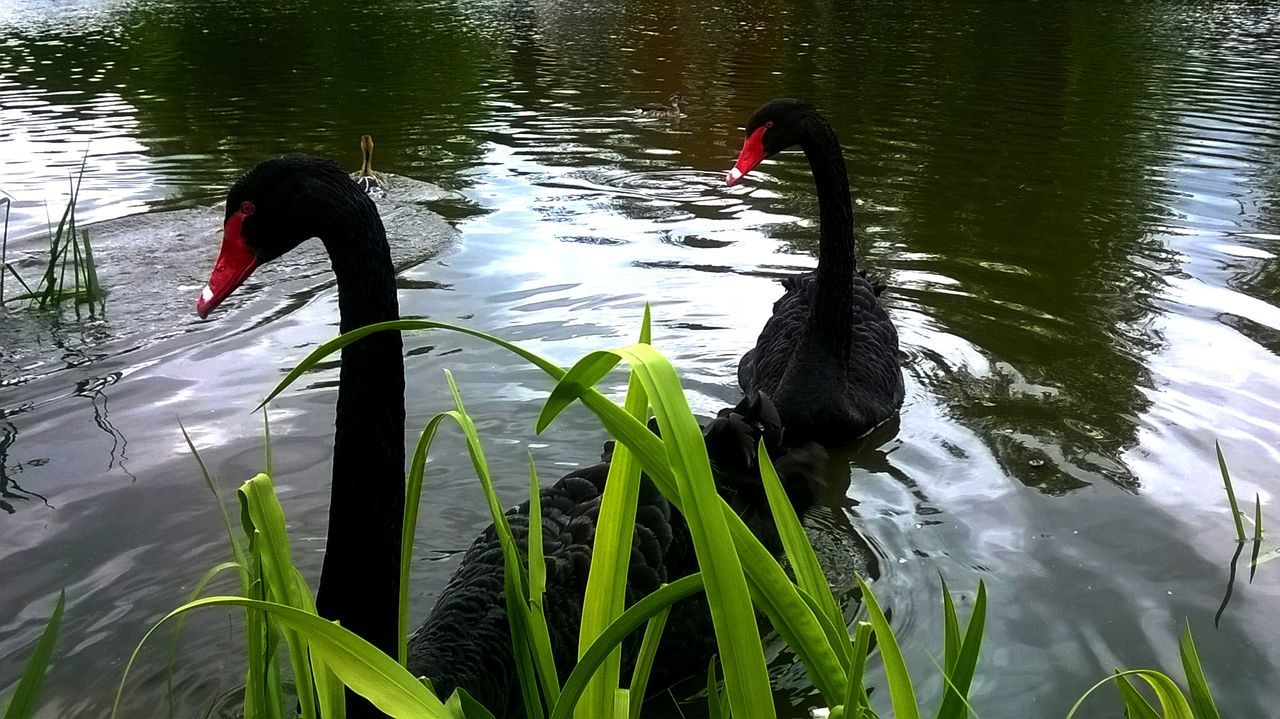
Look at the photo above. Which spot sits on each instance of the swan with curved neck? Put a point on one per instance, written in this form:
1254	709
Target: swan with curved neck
275	207
829	353
465	642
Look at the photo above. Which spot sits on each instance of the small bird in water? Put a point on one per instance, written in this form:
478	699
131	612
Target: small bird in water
670	109
369	181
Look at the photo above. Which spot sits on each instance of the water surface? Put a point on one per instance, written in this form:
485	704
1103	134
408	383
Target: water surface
1076	207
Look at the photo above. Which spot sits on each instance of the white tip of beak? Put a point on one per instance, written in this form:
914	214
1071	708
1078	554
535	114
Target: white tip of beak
733	176
206	294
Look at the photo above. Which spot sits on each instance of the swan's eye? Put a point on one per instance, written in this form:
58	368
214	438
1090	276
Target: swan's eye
768	124
246	208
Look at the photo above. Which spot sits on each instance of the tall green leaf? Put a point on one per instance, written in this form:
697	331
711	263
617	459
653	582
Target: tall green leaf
1201	698
369	672
23	703
895	667
804	562
644	660
960	669
606	592
1231	492
632	619
732	614
282	581
1172	703
527	655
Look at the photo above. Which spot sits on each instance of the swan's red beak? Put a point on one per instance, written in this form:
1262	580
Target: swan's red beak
235	263
752	154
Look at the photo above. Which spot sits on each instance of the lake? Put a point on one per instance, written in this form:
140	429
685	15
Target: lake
1076	207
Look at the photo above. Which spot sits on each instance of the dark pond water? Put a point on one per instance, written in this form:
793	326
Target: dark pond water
1076	206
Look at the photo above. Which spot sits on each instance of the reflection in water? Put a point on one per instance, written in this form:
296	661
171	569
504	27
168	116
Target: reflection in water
1077	208
9	488
92	388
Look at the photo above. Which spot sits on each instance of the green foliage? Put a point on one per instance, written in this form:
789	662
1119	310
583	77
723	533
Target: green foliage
735	568
69	249
1174	704
1239	516
23	703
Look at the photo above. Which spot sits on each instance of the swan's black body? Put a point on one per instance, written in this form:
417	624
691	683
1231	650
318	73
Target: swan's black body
829	354
465	642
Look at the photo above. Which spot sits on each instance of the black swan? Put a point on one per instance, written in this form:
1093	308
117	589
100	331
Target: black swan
271	210
670	109
465	641
829	354
366	179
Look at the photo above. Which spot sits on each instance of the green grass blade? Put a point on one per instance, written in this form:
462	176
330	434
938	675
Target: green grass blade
1202	702
804	563
23	703
1164	686
281	579
409	529
463	706
606	592
732	614
527	657
1136	706
1172	702
585	374
855	697
266	443
539	632
895	668
237	550
951	629
715	700
4	248
837	635
537	563
959	672
1231	493
1257	535
644	660
631	620
369	672
91	270
177	629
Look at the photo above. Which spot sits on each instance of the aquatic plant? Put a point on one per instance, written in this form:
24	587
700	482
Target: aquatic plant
25	699
1239	517
280	610
70	252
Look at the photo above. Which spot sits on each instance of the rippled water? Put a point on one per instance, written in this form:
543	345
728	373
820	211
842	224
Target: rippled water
1076	206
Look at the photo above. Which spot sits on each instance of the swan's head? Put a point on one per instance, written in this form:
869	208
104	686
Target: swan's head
675	100
777	125
271	210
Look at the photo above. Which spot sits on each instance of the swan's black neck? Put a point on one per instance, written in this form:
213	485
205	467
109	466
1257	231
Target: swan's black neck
836	263
359	584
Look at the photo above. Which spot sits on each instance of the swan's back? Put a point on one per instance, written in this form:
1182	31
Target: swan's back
826	394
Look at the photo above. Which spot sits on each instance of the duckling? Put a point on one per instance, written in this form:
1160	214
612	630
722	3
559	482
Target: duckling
670	109
372	183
